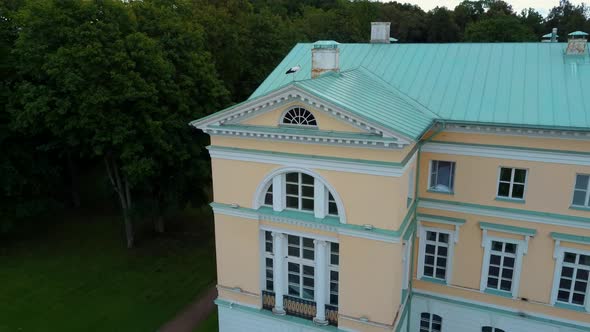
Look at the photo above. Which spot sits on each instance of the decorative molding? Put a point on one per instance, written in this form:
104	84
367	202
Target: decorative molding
506	213
508	152
508	229
570	238
289	93
440	219
328	224
317	137
517	131
381	168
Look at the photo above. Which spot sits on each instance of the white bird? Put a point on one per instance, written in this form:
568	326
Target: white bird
293	70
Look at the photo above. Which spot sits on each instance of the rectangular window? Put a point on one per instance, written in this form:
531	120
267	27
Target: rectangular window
268	259
300	267
512	183
300	192
573	281
334	273
501	266
442	176
436	248
582	191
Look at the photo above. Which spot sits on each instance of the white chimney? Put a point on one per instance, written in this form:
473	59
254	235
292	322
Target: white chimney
554	35
324	58
380	32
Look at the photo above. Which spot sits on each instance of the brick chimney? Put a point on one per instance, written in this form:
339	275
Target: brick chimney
577	43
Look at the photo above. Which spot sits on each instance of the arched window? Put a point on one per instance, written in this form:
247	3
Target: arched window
299	190
299	116
491	329
430	322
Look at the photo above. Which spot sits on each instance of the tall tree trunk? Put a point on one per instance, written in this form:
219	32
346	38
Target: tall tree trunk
74	183
121	187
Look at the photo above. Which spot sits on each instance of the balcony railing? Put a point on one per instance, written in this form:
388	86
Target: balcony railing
295	306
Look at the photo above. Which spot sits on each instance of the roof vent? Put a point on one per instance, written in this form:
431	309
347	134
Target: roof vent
551	37
576	44
380	32
324	58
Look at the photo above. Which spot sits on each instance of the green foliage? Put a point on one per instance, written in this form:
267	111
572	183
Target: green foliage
84	82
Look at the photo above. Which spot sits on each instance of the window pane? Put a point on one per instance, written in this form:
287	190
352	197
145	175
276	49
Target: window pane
307	191
269	285
442	251
292	189
580	286
510	248
582	181
495	259
441	262
293	240
306	179
503	189
308	282
578	298
440	273
292	177
333	275
582	275
293	251
292	202
268	246
430	249
496	246
565	283
505	285
585	260
307	204
506	174
519	175
308	254
494	271
428	259
428	271
492	282
486	329
507	273
332	208
567	272
509	261
579	198
518	191
308	270
307	242
569	257
293	267
431	236
333	299
444	238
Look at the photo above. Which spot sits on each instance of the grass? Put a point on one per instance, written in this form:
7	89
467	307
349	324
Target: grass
77	275
209	325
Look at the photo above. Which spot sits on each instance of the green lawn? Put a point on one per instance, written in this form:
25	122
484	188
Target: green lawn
78	276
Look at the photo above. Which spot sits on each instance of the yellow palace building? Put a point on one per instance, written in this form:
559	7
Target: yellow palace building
407	187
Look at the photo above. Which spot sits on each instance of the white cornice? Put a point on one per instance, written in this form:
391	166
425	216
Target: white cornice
377	142
517	131
497	213
537	155
293	93
313	162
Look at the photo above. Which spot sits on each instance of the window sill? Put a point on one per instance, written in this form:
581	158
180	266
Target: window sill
440	192
581	208
498	292
570	306
510	200
434	280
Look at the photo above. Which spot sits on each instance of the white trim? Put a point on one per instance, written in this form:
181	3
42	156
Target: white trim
521	249
258	199
299	234
517	131
369	236
587	197
228	211
464	300
502	214
406	261
317	163
319	195
422	251
282	117
508	153
511	183
293	93
558	254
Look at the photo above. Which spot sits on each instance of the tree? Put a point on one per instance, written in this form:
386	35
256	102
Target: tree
499	29
441	26
568	18
95	76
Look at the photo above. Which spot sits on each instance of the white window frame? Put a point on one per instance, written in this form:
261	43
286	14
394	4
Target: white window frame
558	255
430	322
452	235
296	125
451	177
266	255
587	197
521	250
331	268
301	261
511	183
300	197
406	261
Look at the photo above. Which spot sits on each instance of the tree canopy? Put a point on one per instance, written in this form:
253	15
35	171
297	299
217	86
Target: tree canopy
113	84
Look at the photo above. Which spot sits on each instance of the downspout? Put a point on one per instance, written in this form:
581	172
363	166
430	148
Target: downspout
417	198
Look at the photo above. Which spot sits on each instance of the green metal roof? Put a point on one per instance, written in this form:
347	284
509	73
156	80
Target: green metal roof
517	84
578	33
368	97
